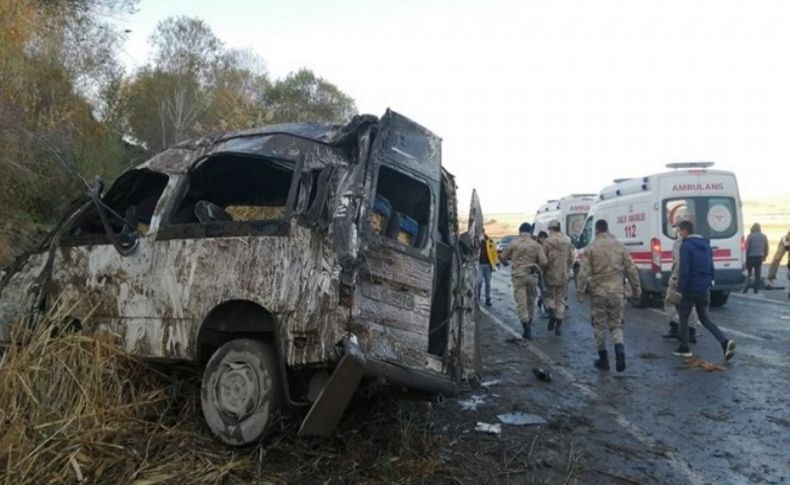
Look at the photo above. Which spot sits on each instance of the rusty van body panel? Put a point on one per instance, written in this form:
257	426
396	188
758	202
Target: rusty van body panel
277	233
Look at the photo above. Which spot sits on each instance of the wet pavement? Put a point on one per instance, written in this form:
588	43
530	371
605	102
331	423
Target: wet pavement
680	423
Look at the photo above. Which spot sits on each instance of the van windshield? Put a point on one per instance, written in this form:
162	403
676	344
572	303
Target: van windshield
713	217
585	237
574	225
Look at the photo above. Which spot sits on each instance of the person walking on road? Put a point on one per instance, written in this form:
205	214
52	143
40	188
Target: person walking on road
605	265
542	236
488	261
784	248
756	254
694	284
559	259
528	262
672	299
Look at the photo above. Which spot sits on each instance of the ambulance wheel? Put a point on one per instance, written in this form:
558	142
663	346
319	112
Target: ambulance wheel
719	298
240	393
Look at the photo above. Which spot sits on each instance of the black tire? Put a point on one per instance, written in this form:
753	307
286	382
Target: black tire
719	298
644	301
241	391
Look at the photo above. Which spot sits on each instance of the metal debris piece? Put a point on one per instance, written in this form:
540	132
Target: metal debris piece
490	383
472	403
489	428
542	374
520	419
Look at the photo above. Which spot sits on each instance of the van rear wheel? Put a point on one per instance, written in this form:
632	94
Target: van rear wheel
240	393
719	298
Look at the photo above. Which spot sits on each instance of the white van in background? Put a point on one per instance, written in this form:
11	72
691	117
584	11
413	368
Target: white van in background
571	211
641	214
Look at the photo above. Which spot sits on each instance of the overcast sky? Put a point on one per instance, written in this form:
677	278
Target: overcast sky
536	99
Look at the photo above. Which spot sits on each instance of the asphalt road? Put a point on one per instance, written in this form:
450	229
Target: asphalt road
724	426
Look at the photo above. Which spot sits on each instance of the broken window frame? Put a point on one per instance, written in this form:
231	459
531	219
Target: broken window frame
275	227
102	238
425	252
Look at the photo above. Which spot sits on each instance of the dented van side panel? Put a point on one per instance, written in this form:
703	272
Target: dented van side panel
321	275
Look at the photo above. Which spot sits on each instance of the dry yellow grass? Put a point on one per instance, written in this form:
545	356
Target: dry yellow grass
77	409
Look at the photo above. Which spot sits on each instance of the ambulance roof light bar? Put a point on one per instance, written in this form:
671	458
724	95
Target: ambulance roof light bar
676	166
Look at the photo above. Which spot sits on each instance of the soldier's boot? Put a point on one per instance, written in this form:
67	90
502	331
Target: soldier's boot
557	325
673	331
603	360
527	326
692	335
619	352
552	320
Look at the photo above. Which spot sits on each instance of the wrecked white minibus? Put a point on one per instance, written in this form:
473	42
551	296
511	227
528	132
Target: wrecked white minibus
290	262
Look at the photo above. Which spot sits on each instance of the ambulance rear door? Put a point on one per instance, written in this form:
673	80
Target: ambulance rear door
710	199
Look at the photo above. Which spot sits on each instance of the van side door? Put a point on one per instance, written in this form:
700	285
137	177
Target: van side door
398	224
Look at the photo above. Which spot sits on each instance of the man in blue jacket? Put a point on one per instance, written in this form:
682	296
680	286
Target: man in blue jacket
694	283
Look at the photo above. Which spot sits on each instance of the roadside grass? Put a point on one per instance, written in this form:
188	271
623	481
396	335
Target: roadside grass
79	409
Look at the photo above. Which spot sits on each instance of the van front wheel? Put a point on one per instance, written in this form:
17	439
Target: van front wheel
719	298
240	393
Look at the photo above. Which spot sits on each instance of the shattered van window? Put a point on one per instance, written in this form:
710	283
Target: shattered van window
402	208
235	188
134	196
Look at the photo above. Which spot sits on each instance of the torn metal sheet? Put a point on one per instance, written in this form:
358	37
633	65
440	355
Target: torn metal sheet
473	403
521	419
495	429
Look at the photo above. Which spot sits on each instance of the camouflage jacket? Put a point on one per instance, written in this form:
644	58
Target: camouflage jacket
559	257
606	264
781	250
676	260
526	255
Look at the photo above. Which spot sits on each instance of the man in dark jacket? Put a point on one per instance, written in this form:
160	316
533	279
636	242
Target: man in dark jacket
756	254
694	283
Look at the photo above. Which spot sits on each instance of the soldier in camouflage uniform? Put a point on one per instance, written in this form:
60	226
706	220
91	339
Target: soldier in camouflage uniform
606	264
672	299
528	261
560	258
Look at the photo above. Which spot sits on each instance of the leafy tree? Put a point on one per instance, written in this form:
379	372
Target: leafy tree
304	96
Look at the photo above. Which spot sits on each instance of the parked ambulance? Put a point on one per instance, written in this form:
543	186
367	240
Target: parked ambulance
571	211
641	213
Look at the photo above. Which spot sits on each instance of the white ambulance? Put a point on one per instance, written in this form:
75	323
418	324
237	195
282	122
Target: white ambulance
642	212
571	211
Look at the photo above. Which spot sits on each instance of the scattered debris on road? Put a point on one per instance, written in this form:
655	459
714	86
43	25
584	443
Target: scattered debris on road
520	419
542	374
704	364
489	428
473	403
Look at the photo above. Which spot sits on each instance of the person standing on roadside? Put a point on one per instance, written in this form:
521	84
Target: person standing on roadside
784	248
672	299
528	262
694	283
605	265
756	254
559	260
486	266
